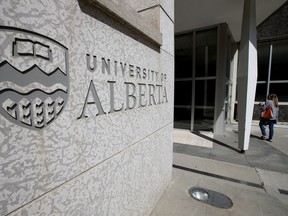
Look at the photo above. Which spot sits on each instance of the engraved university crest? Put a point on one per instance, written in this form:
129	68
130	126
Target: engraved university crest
34	81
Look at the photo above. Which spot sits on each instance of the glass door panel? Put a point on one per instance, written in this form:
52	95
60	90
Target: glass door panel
205	94
183	81
203	118
195	80
204	105
205	80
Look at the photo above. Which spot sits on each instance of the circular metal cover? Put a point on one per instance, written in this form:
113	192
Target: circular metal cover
210	197
199	194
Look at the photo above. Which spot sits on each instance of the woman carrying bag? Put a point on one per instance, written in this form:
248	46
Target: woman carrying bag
269	116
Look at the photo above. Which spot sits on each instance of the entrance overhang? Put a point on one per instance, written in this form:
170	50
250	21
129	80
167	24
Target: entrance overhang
198	14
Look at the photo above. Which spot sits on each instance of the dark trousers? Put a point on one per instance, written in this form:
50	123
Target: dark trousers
270	123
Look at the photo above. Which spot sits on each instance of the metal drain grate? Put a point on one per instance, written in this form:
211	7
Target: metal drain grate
211	197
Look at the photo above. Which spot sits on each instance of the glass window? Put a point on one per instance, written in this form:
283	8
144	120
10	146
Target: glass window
279	67
183	88
263	60
212	57
203	119
200	61
281	90
182	117
261	92
206	53
184	56
205	92
183	93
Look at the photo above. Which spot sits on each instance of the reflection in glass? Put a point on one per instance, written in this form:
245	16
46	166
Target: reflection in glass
204	104
203	119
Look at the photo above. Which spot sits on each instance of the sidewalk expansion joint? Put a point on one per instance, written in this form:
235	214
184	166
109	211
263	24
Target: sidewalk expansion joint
281	191
219	177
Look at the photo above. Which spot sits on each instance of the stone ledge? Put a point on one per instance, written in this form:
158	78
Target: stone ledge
131	18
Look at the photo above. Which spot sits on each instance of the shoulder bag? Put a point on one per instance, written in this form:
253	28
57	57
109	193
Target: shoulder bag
267	113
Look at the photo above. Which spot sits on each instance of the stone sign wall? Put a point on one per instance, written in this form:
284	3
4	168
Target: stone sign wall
86	107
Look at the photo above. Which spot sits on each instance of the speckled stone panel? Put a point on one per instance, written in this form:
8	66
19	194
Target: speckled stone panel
167	5
167	28
274	26
90	164
142	5
128	184
152	15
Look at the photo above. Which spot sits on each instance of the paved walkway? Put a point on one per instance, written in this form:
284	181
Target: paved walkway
256	182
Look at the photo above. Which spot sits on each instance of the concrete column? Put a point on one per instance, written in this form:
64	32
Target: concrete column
234	80
247	73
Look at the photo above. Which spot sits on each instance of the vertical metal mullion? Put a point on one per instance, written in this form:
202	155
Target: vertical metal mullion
206	81
269	68
193	81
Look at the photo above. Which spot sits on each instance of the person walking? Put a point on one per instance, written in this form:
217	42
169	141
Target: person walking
272	102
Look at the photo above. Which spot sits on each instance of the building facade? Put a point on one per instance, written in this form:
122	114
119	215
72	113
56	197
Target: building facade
217	80
86	106
272	36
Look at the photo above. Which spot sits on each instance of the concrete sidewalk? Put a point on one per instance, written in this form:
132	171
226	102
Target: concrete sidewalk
256	182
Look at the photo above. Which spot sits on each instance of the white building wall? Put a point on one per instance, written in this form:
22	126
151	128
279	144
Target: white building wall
117	163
